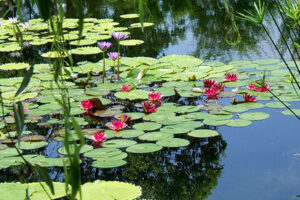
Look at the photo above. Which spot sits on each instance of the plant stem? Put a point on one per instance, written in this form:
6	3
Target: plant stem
103	70
118	76
292	74
284	104
287	45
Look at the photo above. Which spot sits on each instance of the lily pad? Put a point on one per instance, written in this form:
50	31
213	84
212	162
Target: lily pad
144	148
131	42
203	133
238	123
254	116
118	143
147	126
109	164
173	142
154	136
86	51
14	66
129	16
32	145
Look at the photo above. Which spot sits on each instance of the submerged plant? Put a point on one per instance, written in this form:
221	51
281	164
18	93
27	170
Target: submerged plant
104	46
119	37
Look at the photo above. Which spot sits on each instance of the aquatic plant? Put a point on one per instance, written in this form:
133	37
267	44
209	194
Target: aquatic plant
231	77
209	83
119	37
113	56
125	88
104	46
155	98
125	118
149	107
117	125
86	104
248	98
212	92
98	138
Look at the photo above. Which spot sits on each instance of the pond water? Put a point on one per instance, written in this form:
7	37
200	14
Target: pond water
260	161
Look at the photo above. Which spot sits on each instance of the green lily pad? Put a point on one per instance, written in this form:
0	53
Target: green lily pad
84	148
203	133
276	105
139	25
177	129
110	190
133	115
143	148
14	66
288	112
238	123
32	145
254	116
129	16
235	108
118	143
109	164
86	51
154	136
131	133
102	153
173	142
131	42
267	61
147	126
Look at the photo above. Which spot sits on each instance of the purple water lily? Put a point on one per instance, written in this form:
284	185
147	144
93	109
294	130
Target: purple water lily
104	45
26	44
120	36
15	54
26	25
113	55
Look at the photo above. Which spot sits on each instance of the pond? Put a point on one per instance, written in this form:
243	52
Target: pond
255	157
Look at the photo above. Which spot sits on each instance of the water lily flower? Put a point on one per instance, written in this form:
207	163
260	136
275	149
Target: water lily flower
104	45
63	5
251	86
113	55
248	98
98	139
263	89
6	3
25	25
231	77
13	20
26	44
221	87
125	118
15	54
86	104
125	88
117	125
155	98
212	92
149	107
120	36
209	83
24	111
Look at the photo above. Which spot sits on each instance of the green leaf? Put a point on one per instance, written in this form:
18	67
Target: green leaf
44	173
25	81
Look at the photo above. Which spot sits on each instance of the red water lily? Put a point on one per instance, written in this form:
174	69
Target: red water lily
155	98
231	77
251	86
221	87
98	139
209	83
263	89
125	118
212	92
117	125
149	107
86	104
248	98
125	88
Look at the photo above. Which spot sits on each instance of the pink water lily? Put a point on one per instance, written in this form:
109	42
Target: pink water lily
248	98
253	87
125	118
149	107
209	83
155	98
98	139
212	92
86	104
221	87
231	77
117	125
113	55
120	36
104	45
125	88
